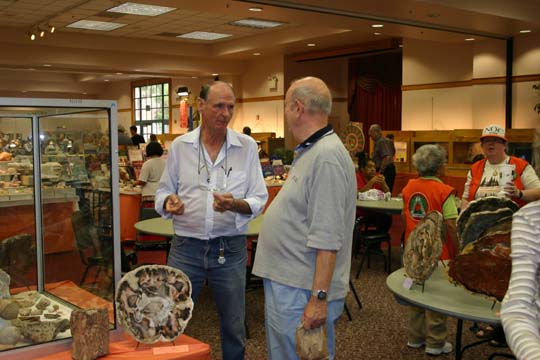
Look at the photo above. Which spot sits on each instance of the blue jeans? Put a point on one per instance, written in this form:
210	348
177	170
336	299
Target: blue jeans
283	310
198	259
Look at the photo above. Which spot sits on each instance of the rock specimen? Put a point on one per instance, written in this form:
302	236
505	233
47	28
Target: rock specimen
5	280
424	247
9	309
484	264
154	303
90	333
9	335
26	299
39	331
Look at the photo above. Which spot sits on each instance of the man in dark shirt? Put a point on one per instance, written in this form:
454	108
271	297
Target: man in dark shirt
136	139
383	154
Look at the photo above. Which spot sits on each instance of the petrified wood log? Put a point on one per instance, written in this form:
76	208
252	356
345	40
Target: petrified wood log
480	222
90	332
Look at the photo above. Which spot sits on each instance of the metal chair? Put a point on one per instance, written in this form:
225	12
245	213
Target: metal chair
367	242
147	242
95	247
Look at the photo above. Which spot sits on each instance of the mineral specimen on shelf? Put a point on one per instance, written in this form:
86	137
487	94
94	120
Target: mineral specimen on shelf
26	299
43	303
9	309
90	333
9	335
424	247
154	303
41	331
5	280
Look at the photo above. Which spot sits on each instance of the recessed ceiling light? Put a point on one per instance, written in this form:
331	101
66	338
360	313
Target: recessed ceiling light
377	33
106	80
524	31
141	9
377	25
84	93
470	39
31	69
95	25
215	74
256	53
23	91
255	9
256	23
119	73
47	65
138	70
194	77
203	35
311	44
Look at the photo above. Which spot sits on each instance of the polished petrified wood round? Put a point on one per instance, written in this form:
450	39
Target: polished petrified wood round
154	303
424	247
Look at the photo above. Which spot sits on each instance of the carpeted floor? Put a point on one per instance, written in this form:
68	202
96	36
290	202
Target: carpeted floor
377	331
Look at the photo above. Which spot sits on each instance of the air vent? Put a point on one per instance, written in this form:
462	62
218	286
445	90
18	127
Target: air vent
167	34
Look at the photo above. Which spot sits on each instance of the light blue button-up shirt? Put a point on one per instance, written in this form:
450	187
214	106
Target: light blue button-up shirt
187	176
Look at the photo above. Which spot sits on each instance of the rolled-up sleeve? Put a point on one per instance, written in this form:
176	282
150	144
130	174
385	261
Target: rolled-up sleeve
256	191
168	184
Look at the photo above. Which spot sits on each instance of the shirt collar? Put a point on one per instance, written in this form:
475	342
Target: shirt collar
193	138
316	136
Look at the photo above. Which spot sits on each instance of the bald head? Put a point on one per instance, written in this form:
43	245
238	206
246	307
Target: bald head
313	93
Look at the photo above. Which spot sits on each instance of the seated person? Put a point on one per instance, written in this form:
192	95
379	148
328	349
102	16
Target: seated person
151	170
366	179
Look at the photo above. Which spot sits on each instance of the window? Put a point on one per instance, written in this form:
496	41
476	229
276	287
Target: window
152	104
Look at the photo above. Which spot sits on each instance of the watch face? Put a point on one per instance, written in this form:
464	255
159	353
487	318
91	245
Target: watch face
321	295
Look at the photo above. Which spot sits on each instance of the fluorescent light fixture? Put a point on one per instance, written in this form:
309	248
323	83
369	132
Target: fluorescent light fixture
215	74
255	9
524	31
377	33
377	25
95	25
311	44
256	23
203	35
256	53
47	65
141	9
470	39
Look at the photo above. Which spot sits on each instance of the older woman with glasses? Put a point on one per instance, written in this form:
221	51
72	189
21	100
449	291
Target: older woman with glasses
420	197
484	177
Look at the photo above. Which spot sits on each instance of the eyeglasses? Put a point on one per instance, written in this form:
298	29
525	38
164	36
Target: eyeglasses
492	141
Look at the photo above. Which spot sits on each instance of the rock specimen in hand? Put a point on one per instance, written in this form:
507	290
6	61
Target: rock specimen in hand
154	303
90	333
424	247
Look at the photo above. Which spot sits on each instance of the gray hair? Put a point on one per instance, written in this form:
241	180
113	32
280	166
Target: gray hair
205	89
315	100
428	159
376	127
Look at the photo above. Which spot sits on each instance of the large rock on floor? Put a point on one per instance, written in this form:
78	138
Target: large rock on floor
90	333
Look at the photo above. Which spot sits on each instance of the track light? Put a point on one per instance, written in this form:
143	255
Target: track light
41	33
32	36
51	29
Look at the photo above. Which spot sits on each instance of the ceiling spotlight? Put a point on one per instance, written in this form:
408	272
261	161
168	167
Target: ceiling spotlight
255	9
524	31
377	33
377	25
51	29
311	44
470	39
256	53
32	36
182	91
41	33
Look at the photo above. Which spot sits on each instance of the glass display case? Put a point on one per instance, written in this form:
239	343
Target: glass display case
59	230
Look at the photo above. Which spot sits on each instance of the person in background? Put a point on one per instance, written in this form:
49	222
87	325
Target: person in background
123	139
212	187
383	154
151	170
246	130
520	310
421	196
136	139
366	179
304	247
153	138
483	177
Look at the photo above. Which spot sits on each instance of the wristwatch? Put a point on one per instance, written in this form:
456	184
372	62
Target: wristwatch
320	294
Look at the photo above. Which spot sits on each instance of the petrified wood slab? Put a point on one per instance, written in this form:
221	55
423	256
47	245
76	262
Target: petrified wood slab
481	221
154	303
424	247
90	333
489	203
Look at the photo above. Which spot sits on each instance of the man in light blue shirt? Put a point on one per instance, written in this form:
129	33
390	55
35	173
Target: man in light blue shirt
212	187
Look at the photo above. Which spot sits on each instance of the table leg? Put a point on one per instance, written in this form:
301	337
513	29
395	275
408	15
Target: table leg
458	339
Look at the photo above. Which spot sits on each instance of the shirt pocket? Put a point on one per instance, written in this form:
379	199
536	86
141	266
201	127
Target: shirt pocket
237	183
